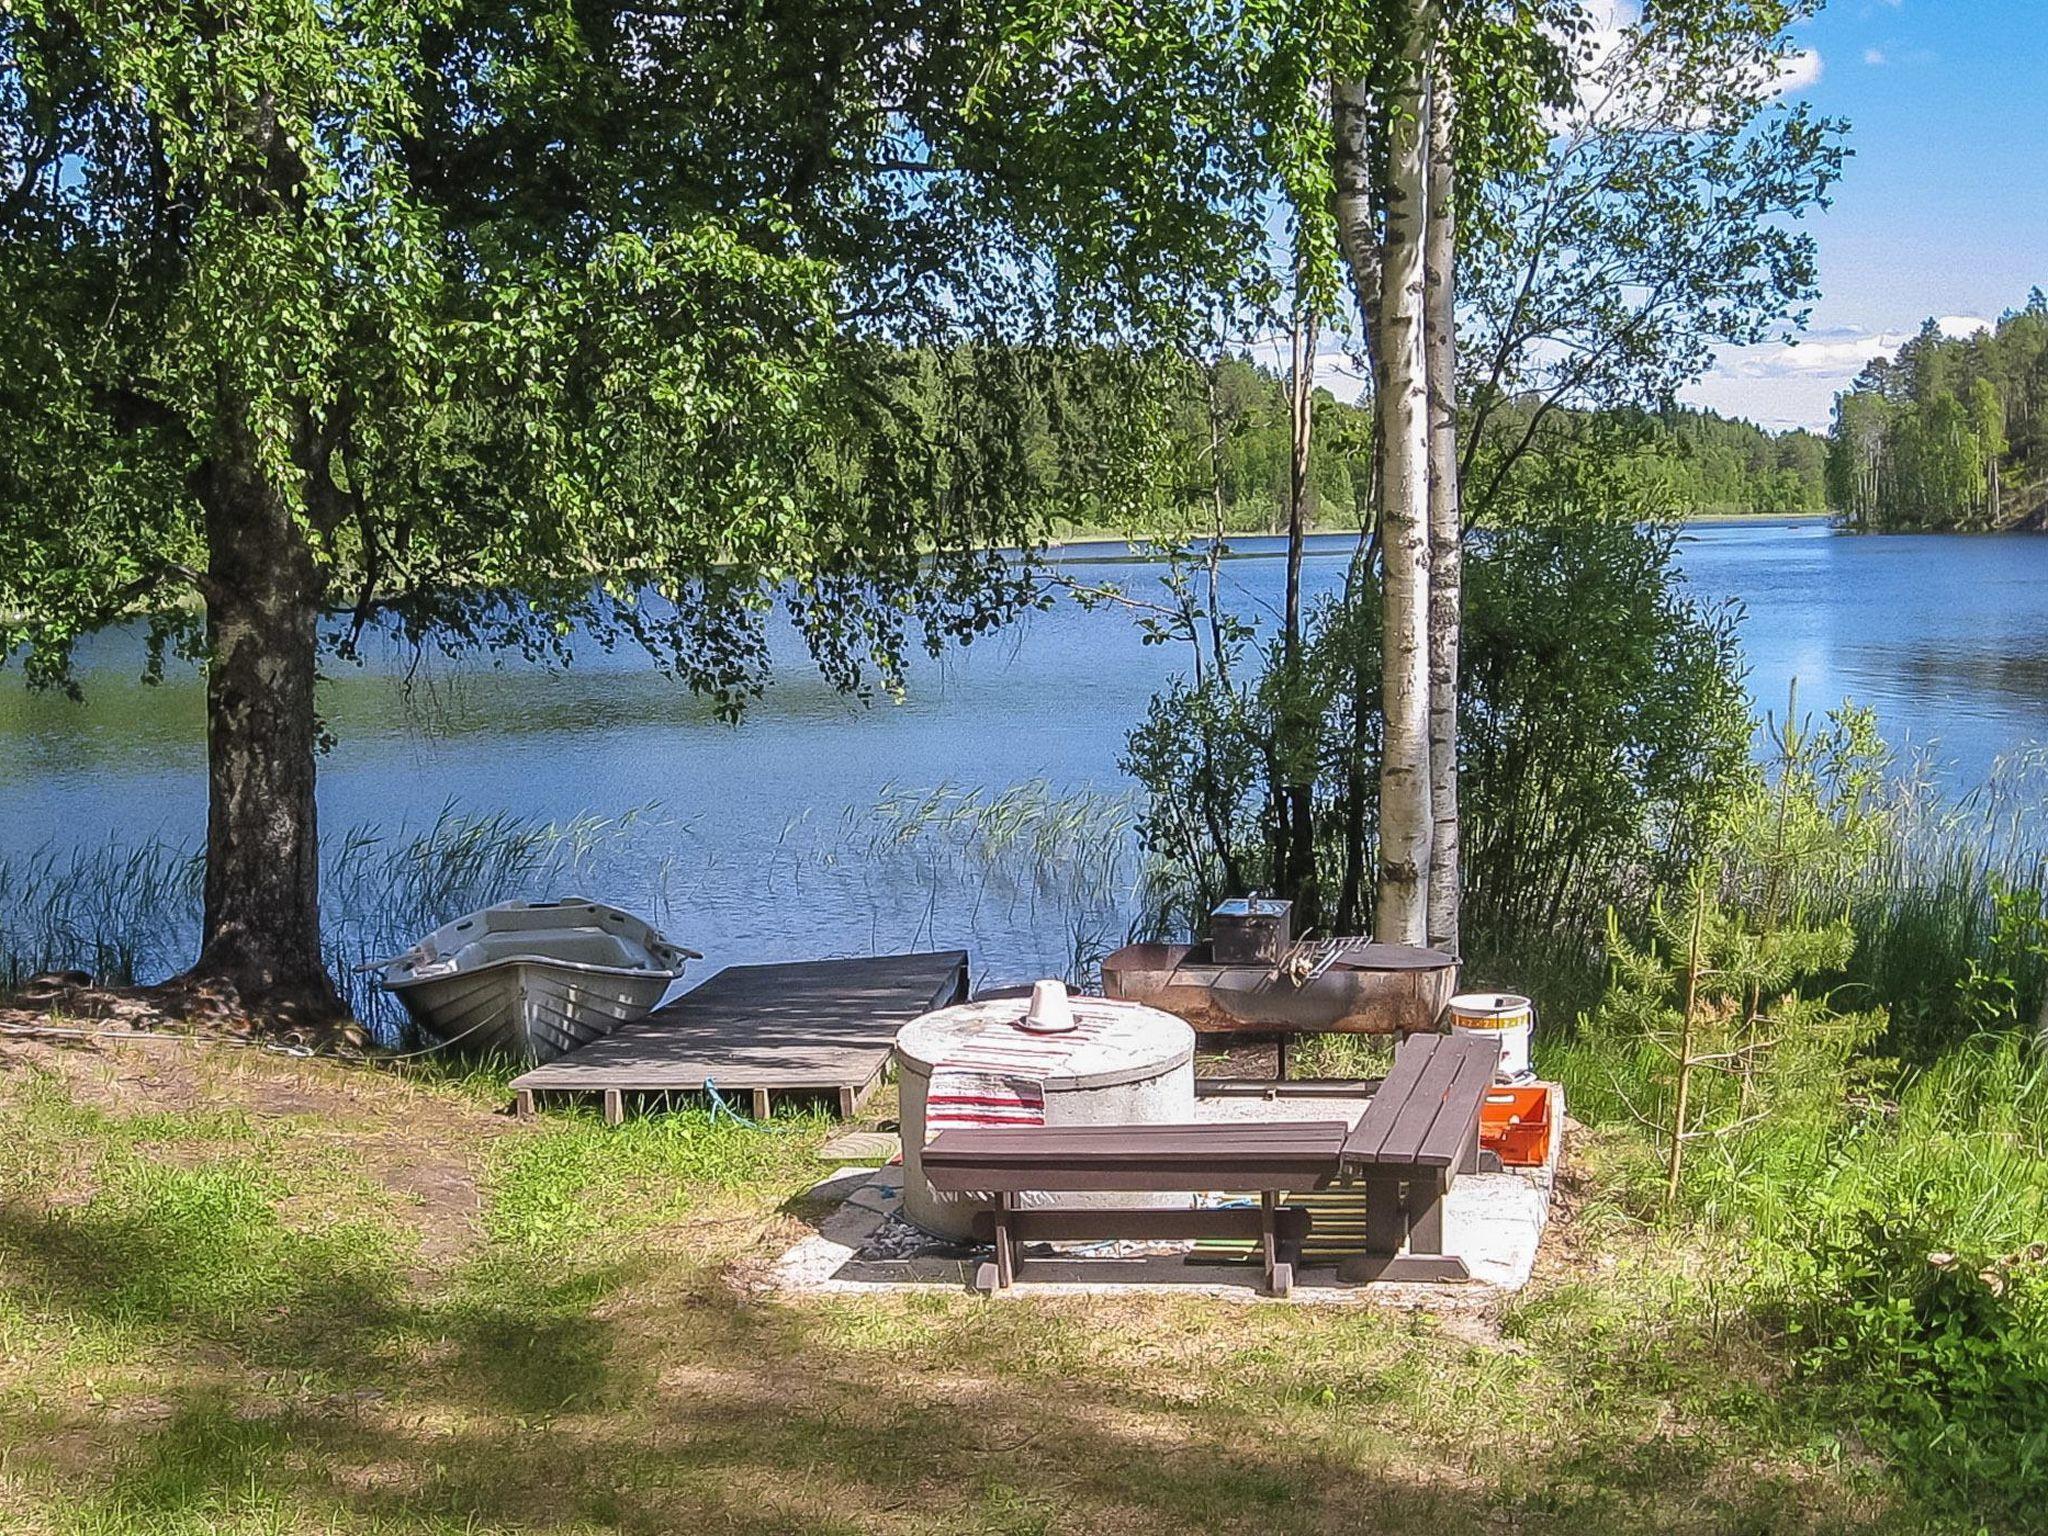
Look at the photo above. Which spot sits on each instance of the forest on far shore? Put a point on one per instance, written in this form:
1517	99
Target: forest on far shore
1951	433
1671	464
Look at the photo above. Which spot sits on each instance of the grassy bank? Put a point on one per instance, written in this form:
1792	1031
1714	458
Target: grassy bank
246	1293
241	1293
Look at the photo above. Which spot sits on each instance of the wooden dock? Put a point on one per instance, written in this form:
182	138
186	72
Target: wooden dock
811	1029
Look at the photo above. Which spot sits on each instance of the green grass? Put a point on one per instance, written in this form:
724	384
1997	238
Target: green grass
259	1296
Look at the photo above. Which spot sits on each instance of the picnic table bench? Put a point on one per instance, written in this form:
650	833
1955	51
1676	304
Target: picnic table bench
1420	1131
1263	1158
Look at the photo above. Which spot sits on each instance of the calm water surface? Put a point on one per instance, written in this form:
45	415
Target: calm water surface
750	853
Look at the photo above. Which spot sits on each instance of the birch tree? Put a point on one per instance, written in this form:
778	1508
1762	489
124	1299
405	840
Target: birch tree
1446	516
1381	215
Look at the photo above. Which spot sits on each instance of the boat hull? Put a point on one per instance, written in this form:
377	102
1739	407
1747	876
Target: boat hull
529	1010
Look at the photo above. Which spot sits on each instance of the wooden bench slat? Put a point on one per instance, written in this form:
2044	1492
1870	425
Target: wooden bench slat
1290	1225
1227	1178
1259	1156
1424	1104
1095	1143
1366	1138
1457	1124
1447	1072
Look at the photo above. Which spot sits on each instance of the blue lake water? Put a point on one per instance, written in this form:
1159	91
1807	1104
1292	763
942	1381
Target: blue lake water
760	845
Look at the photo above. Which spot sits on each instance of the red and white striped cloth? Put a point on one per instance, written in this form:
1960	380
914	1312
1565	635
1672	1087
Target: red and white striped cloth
998	1076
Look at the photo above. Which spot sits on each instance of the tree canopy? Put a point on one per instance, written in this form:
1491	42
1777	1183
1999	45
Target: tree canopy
1951	432
518	323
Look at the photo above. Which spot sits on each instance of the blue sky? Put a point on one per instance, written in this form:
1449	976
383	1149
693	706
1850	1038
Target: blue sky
1941	213
1943	210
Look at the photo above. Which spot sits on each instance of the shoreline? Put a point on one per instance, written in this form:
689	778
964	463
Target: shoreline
1084	538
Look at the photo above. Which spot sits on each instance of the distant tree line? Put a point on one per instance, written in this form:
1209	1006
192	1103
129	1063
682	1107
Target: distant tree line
1952	433
1669	464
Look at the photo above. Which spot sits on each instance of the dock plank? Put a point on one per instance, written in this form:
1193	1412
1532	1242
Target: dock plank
820	1027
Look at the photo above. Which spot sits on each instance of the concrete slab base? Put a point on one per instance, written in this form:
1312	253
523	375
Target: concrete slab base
1494	1221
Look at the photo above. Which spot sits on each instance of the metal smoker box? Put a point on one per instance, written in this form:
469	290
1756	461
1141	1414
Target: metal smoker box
1251	930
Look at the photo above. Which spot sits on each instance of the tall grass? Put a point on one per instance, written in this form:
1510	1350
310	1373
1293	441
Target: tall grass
1882	1208
122	912
129	914
1926	905
1041	877
1068	863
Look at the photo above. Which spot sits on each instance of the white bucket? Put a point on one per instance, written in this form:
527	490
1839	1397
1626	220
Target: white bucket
1502	1016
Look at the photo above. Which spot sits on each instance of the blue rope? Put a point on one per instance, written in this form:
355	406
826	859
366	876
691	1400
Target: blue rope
720	1107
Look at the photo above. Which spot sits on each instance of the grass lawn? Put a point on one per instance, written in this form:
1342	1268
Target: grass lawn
245	1293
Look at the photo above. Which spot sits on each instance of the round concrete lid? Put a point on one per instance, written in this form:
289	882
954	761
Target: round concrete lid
1117	1042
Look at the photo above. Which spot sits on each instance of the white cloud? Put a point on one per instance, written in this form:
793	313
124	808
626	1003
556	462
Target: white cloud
1794	384
1874	56
1800	70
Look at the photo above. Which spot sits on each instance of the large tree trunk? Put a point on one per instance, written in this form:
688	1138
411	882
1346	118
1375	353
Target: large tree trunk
1400	915
1446	524
262	587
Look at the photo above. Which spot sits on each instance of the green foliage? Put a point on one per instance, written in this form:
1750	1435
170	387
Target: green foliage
1605	729
1604	723
1950	432
1891	1217
610	313
1603	276
1909	1277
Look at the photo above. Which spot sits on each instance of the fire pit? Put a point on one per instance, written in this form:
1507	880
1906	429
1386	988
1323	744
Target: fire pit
1339	985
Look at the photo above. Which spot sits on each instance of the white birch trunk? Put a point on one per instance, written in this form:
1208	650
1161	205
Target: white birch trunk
1401	912
1446	514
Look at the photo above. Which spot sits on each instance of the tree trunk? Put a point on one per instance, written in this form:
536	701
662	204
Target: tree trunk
1681	1108
1446	514
1401	914
262	907
1356	210
1297	877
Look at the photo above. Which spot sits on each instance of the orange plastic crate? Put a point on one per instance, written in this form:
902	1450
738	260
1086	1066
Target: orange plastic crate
1514	1125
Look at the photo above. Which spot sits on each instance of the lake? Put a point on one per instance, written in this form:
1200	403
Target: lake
757	841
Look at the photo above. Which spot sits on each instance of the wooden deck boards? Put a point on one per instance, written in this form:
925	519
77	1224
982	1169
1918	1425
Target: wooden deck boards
810	1028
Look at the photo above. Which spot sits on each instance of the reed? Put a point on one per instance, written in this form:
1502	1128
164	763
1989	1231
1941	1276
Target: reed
129	914
1932	905
122	912
1066	864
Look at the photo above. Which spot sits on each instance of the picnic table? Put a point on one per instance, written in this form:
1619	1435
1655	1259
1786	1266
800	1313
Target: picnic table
1418	1134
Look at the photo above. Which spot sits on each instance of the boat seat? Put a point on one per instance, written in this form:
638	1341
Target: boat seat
570	945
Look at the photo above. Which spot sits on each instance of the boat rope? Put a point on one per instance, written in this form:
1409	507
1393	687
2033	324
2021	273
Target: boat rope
720	1107
426	1050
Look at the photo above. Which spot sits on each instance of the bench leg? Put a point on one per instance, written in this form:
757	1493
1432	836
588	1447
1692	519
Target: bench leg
1269	1239
1426	1214
1006	1245
1386	1221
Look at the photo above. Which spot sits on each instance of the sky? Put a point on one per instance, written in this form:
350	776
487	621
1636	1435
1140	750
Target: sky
1941	213
1943	209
